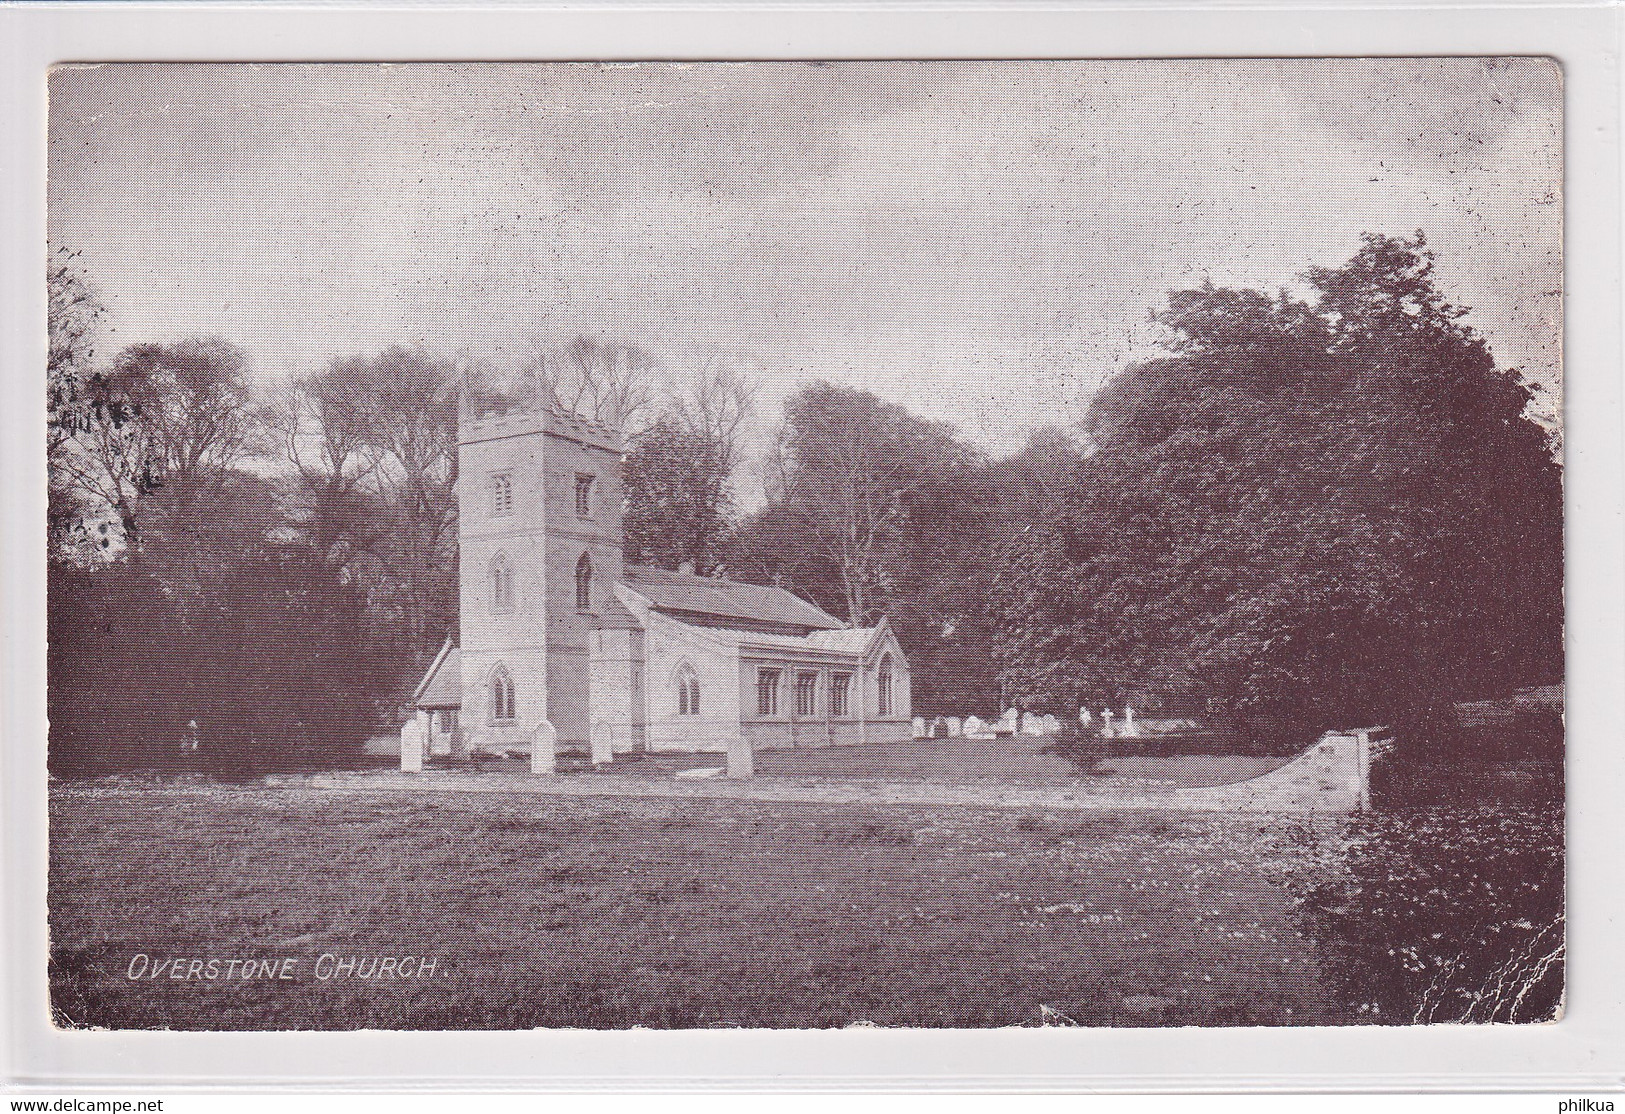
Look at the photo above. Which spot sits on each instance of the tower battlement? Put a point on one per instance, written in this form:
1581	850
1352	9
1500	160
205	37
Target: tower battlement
489	424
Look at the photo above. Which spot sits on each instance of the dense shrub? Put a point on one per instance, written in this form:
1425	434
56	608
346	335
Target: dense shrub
266	664
1087	747
1443	915
1439	761
117	677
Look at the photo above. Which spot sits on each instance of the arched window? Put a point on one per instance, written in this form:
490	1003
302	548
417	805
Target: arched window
502	704
584	583
688	690
883	685
501	585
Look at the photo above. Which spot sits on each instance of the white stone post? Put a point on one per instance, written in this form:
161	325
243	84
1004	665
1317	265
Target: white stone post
412	745
460	741
603	744
741	758
1363	741
543	742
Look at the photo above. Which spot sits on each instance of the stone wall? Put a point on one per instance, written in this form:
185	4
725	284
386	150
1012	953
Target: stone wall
1331	776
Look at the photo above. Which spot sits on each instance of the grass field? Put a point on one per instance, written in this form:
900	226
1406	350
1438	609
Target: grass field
559	911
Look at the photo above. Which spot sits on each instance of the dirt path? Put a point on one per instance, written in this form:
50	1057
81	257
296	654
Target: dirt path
1318	781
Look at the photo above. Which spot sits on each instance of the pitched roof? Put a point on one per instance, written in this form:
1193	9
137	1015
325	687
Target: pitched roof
855	640
615	616
854	643
794	642
442	685
728	599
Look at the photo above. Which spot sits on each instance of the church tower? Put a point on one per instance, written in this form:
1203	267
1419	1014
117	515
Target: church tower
539	533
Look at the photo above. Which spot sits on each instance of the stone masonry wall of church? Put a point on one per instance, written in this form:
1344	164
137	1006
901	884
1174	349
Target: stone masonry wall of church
715	660
616	696
568	537
543	639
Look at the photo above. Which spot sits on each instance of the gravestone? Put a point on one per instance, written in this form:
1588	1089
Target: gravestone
1106	722
954	727
543	742
741	758
1009	721
411	746
919	728
1031	724
1049	725
974	727
1129	729
1084	717
603	743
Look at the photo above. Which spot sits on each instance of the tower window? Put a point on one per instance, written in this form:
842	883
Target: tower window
584	583
767	692
839	685
501	494
584	484
502	596
688	691
806	694
502	701
883	685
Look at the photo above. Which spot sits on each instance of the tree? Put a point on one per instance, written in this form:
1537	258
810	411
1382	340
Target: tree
1326	509
193	398
607	382
714	401
675	483
117	667
850	470
677	473
164	418
74	311
325	429
283	662
394	416
877	512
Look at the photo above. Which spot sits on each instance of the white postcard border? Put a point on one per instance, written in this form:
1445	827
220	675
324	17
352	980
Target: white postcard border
1587	1047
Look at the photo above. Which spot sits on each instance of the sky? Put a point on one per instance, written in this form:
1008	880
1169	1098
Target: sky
982	242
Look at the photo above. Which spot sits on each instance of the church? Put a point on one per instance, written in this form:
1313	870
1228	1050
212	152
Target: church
565	647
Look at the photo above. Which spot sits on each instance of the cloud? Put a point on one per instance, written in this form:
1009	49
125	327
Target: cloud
980	241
